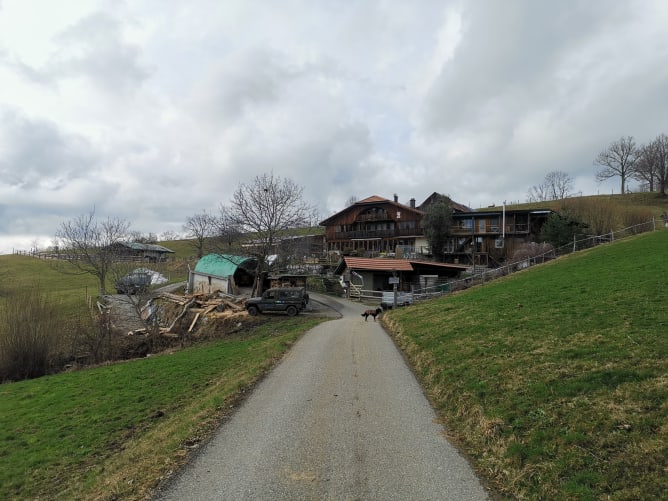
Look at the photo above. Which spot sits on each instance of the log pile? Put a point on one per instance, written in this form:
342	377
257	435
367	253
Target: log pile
198	306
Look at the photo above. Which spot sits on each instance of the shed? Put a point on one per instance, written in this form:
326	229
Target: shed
374	273
141	251
223	272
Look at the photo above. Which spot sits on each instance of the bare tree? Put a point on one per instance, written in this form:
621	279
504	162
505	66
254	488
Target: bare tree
556	185
537	193
646	165
227	232
618	160
264	209
199	228
168	235
661	148
652	165
559	183
139	237
352	200
90	246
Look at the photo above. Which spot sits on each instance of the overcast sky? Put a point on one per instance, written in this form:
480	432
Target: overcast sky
154	110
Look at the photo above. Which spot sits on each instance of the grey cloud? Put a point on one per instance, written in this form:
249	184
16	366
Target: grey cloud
93	47
242	80
508	58
36	153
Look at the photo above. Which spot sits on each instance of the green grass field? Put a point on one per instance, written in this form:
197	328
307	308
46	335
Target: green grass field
113	431
555	380
71	290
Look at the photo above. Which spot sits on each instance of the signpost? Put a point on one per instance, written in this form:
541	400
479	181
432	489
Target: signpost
394	280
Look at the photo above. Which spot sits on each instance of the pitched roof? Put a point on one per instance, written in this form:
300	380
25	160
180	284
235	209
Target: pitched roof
435	196
146	247
373	199
223	265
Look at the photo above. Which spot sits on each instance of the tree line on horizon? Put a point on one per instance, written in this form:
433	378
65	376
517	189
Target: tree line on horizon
623	158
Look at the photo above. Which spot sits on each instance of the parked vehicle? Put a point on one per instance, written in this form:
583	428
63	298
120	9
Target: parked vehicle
403	299
133	283
290	300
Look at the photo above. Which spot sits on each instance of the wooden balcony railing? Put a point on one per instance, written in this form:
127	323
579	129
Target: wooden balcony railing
491	229
361	234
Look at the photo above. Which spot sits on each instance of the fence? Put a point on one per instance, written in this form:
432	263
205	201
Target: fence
482	275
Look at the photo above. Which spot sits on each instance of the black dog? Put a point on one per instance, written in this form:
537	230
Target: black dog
372	313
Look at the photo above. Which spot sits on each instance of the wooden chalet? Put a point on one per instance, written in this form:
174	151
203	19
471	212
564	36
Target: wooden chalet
490	236
374	226
377	226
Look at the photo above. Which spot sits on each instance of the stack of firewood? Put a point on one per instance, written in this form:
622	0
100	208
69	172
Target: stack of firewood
213	305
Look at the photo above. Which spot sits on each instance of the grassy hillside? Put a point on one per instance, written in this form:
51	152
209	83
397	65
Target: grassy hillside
652	202
555	379
112	432
71	289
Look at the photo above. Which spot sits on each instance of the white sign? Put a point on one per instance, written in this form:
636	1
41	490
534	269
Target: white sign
394	280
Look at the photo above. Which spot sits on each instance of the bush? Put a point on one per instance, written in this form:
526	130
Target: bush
637	217
561	228
532	249
599	216
30	325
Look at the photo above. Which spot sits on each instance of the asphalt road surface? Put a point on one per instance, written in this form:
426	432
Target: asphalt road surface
341	418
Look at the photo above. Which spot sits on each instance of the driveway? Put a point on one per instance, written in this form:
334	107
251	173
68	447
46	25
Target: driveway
341	418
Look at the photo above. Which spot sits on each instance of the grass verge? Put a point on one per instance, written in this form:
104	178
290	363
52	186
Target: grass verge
113	432
555	380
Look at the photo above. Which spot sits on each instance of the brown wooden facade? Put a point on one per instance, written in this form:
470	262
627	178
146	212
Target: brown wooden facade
373	226
491	237
377	226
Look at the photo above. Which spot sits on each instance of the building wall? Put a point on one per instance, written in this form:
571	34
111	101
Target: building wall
207	284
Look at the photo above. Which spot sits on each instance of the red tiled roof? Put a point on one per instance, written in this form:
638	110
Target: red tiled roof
372	198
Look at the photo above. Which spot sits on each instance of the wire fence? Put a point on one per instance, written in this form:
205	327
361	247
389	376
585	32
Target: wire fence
480	275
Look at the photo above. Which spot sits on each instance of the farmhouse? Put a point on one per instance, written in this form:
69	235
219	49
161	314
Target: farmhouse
222	272
489	237
374	226
378	227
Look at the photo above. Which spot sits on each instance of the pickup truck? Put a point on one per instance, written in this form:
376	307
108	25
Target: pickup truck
290	300
403	299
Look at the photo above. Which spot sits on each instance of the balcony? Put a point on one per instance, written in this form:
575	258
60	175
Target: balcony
490	229
369	234
379	216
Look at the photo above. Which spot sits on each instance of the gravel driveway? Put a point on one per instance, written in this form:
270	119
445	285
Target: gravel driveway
341	418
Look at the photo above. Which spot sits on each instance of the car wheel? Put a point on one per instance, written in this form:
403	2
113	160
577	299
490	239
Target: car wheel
253	311
291	311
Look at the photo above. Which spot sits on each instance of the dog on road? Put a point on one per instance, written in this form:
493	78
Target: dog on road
372	313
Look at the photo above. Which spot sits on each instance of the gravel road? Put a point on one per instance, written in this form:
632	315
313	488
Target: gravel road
341	418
